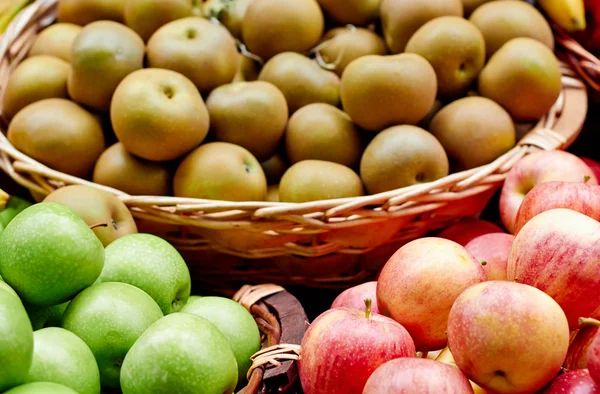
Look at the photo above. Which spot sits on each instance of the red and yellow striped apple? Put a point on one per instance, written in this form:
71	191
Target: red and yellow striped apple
467	229
578	381
417	375
558	251
419	284
578	196
355	297
508	337
534	169
578	350
343	346
492	251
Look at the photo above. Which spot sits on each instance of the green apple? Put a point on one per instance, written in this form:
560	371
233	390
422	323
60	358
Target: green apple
110	317
152	264
41	388
16	339
49	254
180	353
95	207
235	322
13	207
46	316
62	357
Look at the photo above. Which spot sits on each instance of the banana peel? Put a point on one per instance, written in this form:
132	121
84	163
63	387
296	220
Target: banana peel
568	14
9	10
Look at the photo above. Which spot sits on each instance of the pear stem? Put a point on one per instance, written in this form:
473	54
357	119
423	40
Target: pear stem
368	308
93	226
3	199
588	321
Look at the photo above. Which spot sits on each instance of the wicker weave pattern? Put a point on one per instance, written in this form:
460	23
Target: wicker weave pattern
265	230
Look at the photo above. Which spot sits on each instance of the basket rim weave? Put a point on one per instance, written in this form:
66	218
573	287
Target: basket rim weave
556	130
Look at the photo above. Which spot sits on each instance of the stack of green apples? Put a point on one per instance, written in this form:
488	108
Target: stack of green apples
89	305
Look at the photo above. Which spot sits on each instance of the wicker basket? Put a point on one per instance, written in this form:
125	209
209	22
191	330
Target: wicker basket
333	243
282	323
586	64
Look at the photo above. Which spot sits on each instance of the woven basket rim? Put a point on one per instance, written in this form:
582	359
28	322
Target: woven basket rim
556	130
548	140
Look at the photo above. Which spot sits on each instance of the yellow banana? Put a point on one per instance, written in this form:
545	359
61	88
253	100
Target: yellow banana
12	9
568	14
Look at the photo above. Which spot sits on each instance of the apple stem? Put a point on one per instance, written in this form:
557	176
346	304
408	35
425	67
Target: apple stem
588	321
484	263
586	178
93	226
3	199
368	308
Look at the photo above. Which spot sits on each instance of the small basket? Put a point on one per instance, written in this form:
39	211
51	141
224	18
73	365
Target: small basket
332	243
282	323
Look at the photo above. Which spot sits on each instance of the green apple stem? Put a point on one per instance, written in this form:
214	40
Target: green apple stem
588	321
368	308
93	226
3	199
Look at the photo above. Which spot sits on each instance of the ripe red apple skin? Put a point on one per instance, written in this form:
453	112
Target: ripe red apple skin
593	359
593	164
355	297
417	375
558	251
467	229
508	337
580	197
419	283
492	251
342	347
578	350
536	168
573	382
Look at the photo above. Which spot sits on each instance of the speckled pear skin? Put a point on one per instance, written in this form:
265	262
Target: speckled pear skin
49	254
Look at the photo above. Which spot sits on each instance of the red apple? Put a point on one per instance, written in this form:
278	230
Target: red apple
343	347
534	169
593	353
577	354
492	251
508	337
558	251
467	229
355	297
417	375
593	164
573	382
419	283
580	197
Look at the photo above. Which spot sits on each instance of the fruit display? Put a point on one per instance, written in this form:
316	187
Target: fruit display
263	100
487	311
89	305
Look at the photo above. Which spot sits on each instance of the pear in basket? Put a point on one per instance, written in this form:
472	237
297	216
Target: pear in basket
501	21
